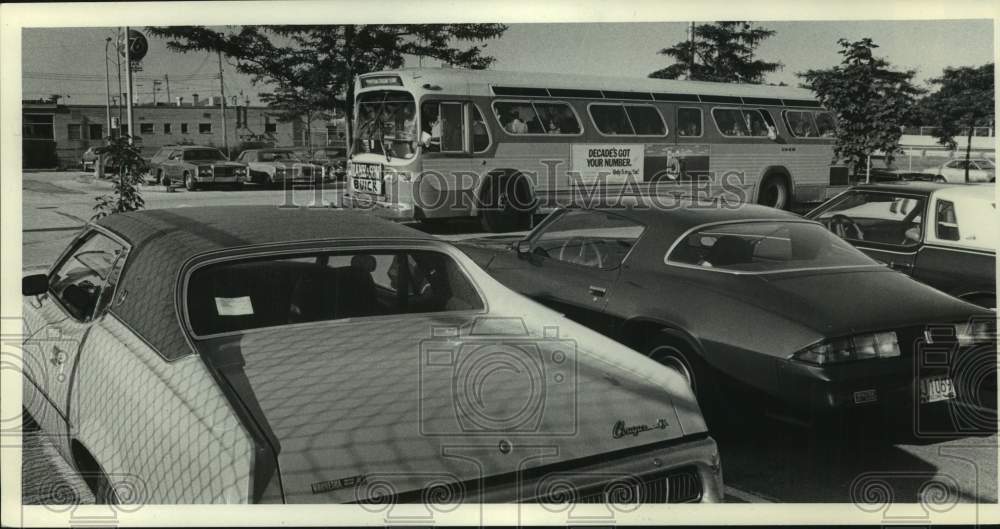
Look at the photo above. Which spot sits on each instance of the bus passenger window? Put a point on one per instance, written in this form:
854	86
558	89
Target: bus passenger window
557	118
517	118
826	124
646	120
430	126
689	122
800	124
611	119
730	122
755	123
480	135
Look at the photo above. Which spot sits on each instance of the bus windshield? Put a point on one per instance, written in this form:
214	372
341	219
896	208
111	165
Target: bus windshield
386	124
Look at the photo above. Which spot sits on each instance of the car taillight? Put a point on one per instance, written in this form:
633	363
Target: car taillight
860	347
976	331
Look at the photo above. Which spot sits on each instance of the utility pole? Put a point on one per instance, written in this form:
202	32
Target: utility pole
166	79
222	105
156	88
118	59
107	83
128	86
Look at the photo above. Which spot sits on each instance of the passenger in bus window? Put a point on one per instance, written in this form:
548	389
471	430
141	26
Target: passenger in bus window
480	136
430	135
567	122
516	126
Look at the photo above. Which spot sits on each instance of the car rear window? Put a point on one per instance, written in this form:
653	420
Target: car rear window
769	246
283	290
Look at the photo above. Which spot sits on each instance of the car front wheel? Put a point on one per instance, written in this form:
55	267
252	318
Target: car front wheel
189	182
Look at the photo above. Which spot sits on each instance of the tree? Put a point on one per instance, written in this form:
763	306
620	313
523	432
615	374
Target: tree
312	68
871	101
963	100
722	52
122	154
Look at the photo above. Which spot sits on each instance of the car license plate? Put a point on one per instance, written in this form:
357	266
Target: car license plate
367	178
934	389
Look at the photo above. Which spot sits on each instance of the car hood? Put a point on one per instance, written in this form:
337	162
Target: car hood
213	163
284	164
843	302
402	403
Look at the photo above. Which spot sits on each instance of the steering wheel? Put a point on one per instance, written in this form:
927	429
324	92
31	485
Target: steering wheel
587	253
840	224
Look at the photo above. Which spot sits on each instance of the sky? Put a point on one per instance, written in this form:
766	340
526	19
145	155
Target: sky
612	49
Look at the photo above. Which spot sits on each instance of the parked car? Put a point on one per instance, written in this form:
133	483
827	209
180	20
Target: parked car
259	354
895	175
195	166
954	252
750	299
274	166
980	170
332	159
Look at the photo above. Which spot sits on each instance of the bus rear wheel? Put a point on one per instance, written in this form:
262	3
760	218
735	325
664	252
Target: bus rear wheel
774	193
505	205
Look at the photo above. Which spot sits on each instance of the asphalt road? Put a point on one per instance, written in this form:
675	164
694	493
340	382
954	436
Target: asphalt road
765	459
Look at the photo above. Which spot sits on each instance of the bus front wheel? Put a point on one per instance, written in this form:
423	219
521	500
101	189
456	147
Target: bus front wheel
774	193
505	205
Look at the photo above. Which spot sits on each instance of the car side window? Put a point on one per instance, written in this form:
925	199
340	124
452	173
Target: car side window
594	239
883	218
945	221
80	280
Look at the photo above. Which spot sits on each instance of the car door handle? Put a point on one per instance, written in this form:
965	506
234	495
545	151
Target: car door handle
597	291
902	267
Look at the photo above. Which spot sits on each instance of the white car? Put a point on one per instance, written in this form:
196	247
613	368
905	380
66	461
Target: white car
274	166
980	170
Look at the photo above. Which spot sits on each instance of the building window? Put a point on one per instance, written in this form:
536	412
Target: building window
205	128
270	128
95	131
166	128
37	127
124	129
145	128
184	128
74	131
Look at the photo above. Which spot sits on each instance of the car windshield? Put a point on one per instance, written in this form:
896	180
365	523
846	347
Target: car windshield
275	291
203	154
875	216
770	246
985	164
386	124
273	156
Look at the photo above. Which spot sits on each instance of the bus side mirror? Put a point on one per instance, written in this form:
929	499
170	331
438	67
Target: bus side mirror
34	285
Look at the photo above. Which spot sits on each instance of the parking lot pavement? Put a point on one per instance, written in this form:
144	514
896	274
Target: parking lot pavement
764	459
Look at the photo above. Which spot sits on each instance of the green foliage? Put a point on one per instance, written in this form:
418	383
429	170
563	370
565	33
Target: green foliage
964	99
311	69
872	102
125	196
722	52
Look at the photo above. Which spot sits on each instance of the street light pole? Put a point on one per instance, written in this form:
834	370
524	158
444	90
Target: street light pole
128	87
118	60
222	106
107	83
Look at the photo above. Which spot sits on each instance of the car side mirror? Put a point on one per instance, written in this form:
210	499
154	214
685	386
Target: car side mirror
522	247
34	284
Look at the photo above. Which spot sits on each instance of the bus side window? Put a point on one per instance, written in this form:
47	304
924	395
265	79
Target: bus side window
517	117
611	119
430	126
689	122
755	123
730	122
826	124
557	118
800	124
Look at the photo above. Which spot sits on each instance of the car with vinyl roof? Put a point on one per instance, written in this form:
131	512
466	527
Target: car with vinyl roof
195	166
248	354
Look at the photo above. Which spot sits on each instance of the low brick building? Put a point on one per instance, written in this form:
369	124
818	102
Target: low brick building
56	135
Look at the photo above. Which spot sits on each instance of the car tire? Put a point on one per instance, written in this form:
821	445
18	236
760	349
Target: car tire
499	215
189	182
774	192
672	353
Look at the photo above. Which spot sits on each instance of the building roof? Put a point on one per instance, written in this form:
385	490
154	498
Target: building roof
165	240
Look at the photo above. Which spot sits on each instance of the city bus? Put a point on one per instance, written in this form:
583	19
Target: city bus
439	143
